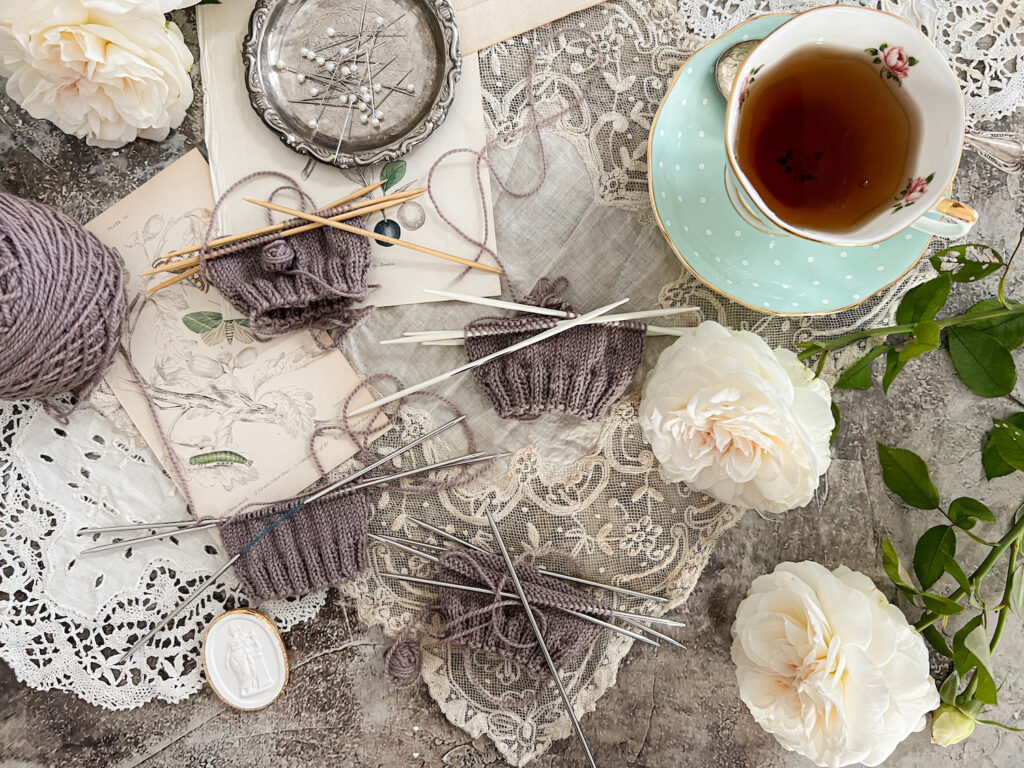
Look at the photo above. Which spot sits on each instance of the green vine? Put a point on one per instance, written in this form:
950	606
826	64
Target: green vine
979	343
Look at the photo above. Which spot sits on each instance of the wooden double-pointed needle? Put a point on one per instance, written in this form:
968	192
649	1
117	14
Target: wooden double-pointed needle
375	236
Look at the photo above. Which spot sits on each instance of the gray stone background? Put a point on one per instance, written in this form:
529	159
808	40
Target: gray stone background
670	707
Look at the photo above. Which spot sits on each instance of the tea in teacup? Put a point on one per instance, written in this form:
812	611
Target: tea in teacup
824	138
845	126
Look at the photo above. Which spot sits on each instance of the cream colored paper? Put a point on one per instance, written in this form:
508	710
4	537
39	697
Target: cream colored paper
486	22
240	144
237	413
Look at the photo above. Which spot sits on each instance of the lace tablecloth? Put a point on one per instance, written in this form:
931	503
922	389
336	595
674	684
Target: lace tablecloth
590	490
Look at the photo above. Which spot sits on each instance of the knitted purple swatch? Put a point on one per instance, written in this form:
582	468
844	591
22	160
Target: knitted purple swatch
308	280
499	625
321	545
580	372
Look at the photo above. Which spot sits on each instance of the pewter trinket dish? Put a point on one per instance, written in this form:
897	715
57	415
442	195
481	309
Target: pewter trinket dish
352	82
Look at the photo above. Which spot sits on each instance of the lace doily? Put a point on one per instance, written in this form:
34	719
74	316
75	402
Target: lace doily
65	618
591	490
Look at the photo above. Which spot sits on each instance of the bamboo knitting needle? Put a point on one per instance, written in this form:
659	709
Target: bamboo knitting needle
562	313
371	206
469	545
458	341
228	239
482	590
374	236
400	544
540	637
560	328
354	476
176	279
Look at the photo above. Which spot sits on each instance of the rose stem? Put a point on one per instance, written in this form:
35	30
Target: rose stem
842	341
1012	536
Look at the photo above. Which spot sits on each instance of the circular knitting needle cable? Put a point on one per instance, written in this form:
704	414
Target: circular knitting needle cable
540	637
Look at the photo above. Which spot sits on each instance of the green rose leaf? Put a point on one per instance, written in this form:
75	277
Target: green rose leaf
943	606
935	639
953	568
933	548
995	465
907	476
926	338
968	262
893	366
858	375
948	689
1008	330
1017	592
962	661
895	571
836	420
964	512
201	322
982	363
1009	441
391	174
924	301
977	644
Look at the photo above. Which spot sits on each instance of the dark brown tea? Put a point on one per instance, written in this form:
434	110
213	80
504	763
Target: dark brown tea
824	138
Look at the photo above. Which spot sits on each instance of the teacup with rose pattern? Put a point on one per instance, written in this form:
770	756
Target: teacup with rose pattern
905	60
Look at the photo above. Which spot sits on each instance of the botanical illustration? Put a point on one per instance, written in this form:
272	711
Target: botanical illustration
237	413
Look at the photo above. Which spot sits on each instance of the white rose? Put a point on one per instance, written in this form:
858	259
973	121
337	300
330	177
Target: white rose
149	7
730	417
829	666
107	78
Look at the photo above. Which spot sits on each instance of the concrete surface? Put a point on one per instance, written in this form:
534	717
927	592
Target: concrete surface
670	708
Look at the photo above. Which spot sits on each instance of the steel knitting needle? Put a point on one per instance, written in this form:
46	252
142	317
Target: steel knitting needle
408	546
270	528
656	633
206	584
137	527
354	476
483	590
622	590
560	328
200	525
540	637
436	560
154	537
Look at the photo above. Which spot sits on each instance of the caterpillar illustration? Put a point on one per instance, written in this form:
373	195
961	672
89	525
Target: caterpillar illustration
218	459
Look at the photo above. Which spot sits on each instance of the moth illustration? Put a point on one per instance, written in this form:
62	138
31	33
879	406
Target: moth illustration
213	329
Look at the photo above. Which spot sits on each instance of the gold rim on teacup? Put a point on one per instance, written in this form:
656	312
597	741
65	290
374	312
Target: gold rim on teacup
749	206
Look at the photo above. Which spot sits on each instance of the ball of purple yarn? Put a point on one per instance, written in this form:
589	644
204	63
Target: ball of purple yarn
402	662
62	305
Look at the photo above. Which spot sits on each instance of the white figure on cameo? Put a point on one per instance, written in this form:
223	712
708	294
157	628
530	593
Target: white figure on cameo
245	659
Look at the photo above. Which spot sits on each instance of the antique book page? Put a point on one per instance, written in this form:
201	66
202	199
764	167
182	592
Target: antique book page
237	413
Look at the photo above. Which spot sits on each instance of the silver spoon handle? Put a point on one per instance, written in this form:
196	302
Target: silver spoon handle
1000	149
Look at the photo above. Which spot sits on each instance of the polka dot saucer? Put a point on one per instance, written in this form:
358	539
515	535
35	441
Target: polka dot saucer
782	275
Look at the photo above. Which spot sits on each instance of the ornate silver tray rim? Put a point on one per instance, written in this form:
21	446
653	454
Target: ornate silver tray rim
440	10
